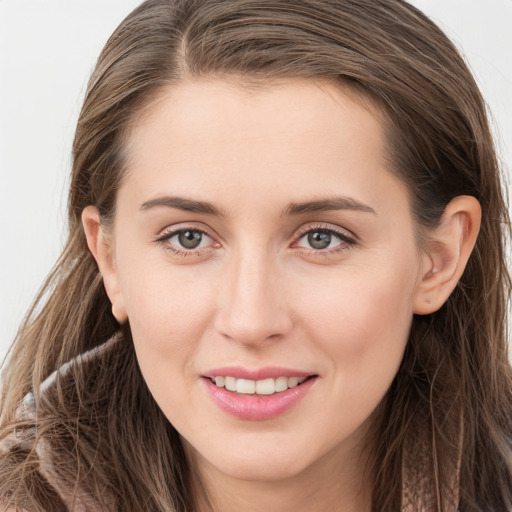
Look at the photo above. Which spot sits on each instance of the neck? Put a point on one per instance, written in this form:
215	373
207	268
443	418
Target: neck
328	484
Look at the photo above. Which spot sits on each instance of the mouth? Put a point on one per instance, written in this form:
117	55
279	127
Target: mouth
263	387
257	399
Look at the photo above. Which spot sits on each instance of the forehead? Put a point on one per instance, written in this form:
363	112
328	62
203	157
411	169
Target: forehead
296	136
297	105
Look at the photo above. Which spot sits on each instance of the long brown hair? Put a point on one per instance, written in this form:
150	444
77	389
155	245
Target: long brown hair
454	384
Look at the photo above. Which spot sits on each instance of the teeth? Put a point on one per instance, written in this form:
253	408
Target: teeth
266	387
293	381
258	387
230	383
281	384
246	387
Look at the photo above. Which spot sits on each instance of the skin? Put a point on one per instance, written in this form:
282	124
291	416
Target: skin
255	293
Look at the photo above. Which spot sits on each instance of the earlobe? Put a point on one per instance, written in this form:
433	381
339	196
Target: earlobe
100	245
446	253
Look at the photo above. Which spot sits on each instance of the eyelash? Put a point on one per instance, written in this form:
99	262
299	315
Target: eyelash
346	241
167	235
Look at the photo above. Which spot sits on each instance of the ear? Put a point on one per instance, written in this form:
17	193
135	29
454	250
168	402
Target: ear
100	244
446	253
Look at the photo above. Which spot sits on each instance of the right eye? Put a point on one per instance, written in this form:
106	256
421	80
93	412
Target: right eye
189	239
185	241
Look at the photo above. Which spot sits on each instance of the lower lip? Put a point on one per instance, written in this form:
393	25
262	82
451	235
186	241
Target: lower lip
257	407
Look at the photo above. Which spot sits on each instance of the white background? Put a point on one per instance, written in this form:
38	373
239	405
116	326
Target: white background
47	52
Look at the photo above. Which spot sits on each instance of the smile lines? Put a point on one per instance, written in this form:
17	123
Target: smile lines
257	387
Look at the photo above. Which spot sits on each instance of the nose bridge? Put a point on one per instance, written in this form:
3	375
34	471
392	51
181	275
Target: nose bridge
252	307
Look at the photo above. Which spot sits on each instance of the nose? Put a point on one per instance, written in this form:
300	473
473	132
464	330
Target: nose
252	306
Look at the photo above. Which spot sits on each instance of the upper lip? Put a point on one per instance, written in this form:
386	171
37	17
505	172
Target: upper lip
270	372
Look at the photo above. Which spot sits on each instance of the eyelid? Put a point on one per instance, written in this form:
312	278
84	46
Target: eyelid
343	233
184	226
347	241
169	232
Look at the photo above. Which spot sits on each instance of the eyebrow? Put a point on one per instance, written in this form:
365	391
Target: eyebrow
324	205
293	209
181	203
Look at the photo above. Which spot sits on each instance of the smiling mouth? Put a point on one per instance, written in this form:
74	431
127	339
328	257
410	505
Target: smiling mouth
258	387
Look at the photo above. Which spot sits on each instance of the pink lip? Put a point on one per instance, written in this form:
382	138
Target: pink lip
260	374
257	407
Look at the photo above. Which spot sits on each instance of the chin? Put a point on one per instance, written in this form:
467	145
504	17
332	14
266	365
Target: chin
262	470
257	461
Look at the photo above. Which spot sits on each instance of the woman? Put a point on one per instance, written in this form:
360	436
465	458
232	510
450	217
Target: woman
284	286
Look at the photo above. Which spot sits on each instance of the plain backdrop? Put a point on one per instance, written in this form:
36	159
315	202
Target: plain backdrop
47	52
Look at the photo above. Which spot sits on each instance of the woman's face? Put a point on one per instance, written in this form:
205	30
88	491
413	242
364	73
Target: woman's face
261	238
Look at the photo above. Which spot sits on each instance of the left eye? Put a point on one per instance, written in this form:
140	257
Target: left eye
189	239
319	239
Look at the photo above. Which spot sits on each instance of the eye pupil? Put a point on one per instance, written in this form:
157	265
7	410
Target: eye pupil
319	240
190	239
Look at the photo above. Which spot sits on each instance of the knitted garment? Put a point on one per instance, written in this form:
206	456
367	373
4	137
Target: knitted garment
418	491
418	484
49	450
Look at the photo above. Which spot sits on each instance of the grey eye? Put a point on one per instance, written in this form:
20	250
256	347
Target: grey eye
319	239
190	239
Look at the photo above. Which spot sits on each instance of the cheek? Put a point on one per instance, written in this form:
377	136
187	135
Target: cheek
168	314
357	304
362	322
168	318
363	331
